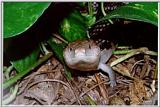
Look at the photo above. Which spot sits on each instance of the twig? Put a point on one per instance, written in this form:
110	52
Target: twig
135	65
102	87
48	80
89	90
145	67
74	93
60	38
73	89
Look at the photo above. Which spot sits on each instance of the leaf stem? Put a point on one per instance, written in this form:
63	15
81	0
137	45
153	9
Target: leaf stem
44	48
102	9
90	8
132	53
121	52
104	13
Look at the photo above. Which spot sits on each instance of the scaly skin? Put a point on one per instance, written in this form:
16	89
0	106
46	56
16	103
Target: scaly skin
85	55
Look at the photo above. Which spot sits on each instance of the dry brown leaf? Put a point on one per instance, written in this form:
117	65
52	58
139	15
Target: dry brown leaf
116	100
137	92
124	70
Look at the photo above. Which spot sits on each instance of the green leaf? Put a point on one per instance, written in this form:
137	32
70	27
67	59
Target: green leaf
68	72
90	20
73	27
22	65
14	79
58	50
19	16
140	11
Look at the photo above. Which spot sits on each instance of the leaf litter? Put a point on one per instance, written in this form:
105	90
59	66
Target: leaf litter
48	85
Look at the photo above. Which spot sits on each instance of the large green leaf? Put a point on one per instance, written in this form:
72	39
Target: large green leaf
140	11
19	16
23	64
73	27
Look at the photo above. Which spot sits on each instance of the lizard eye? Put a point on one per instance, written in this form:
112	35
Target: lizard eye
71	52
89	46
70	49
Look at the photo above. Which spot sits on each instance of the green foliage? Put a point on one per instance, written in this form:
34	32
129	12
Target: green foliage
140	11
14	79
19	16
89	19
58	50
23	64
73	27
